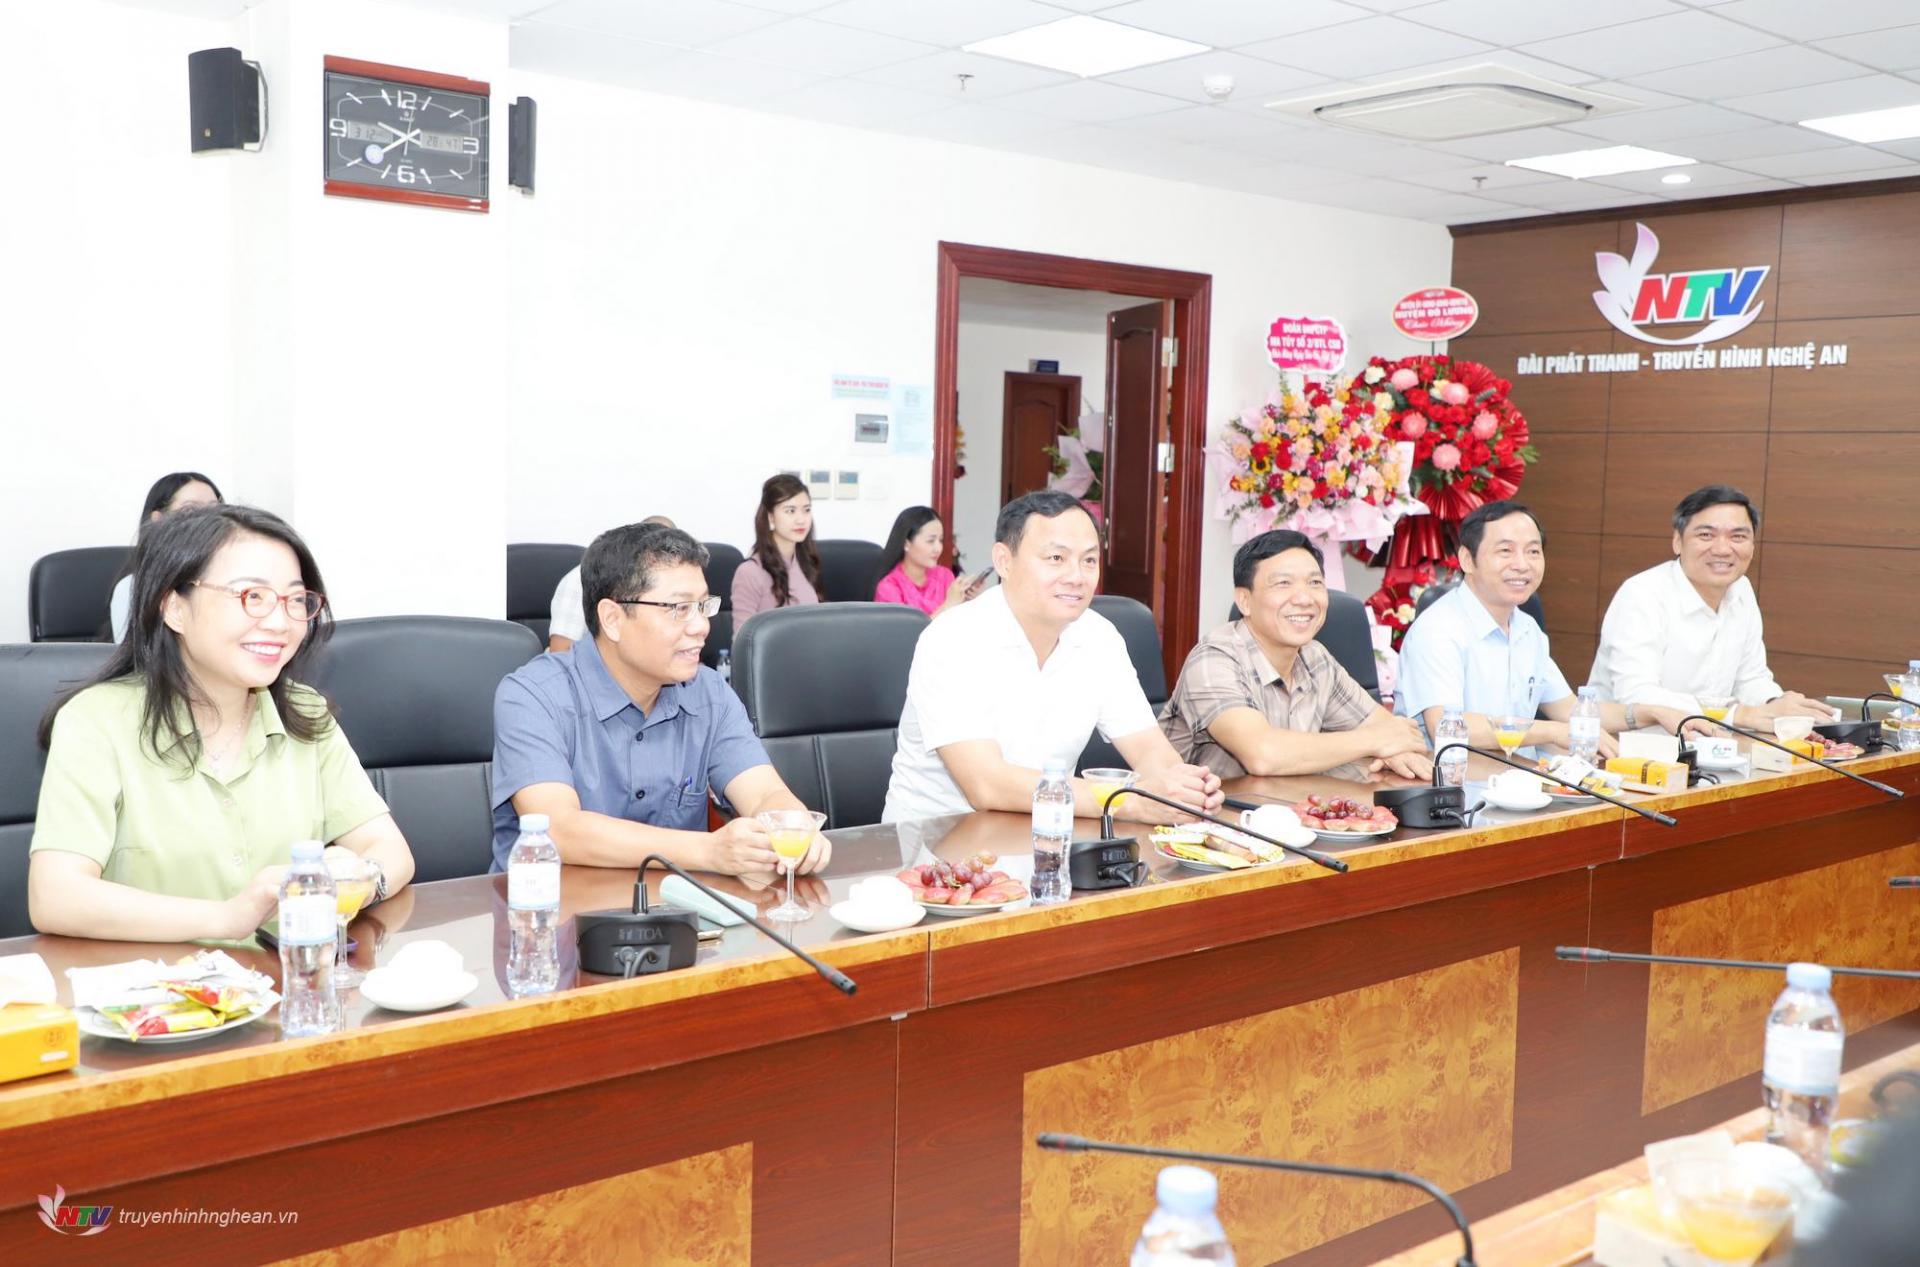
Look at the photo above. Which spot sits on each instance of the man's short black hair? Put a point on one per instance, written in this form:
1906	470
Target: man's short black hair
1713	495
1047	503
1473	529
621	562
1248	558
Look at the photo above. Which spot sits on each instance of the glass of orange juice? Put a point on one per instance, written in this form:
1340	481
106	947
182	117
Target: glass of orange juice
1716	706
1107	780
1730	1212
1512	732
353	883
791	832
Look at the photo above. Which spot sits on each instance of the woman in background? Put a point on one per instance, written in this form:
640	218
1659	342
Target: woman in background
171	492
910	569
784	568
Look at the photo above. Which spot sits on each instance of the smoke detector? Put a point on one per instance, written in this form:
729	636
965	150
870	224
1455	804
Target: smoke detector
1217	87
1470	101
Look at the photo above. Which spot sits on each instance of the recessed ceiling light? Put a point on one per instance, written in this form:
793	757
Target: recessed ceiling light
1676	178
1084	45
1870	126
1610	161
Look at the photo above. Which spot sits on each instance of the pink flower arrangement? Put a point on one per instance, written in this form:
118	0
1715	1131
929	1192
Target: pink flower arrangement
1321	445
1446	457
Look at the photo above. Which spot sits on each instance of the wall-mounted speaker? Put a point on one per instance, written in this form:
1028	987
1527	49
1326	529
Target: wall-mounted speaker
226	101
520	129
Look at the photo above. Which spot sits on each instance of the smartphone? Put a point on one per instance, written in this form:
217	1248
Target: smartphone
268	935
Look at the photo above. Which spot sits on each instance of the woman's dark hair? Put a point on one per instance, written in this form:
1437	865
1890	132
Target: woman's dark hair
159	497
906	526
779	489
173	553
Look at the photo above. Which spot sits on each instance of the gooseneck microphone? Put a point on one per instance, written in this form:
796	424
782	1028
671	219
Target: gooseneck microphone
1075	1144
1666	820
1590	954
1106	825
1904	882
1876	785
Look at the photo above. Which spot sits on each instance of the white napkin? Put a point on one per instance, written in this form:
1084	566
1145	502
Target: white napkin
26	979
132	983
677	892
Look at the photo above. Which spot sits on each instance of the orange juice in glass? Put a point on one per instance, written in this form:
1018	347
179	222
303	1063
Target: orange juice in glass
1716	707
353	886
1512	732
791	831
1730	1213
1106	780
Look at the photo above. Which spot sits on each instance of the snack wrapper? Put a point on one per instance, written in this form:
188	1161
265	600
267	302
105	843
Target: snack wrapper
225	999
155	1020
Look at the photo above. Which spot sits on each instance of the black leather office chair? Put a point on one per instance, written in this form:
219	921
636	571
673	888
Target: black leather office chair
1348	635
847	570
1134	620
1432	593
68	593
415	697
30	676
825	686
534	570
722	561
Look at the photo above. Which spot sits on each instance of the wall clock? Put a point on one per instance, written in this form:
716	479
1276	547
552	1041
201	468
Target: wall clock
400	135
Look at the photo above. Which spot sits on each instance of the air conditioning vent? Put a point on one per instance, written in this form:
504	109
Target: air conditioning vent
1470	101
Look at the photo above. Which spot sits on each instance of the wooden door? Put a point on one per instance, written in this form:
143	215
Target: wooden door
1136	503
1037	407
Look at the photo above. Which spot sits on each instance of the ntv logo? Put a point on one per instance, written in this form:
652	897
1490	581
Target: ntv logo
1722	297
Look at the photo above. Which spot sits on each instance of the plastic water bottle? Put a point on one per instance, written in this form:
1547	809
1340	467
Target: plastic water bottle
533	910
1183	1229
1052	834
723	664
1583	728
309	932
1906	718
1453	765
1800	1077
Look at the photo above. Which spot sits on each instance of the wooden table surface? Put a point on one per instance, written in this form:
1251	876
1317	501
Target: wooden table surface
1407	1013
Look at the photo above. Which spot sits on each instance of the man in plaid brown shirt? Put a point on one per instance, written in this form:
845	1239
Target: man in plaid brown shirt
1262	696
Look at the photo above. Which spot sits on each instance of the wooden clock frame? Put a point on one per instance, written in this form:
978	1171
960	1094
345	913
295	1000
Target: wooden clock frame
419	79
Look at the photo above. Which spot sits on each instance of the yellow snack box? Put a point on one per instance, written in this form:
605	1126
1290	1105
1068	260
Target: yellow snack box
36	1038
1669	775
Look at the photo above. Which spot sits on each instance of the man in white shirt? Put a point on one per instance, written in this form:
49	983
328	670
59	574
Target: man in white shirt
1687	632
1021	676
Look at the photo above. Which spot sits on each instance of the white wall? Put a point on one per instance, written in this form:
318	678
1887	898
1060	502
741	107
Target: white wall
653	332
987	352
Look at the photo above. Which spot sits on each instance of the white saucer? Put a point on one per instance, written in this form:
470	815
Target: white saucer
383	988
1519	805
861	921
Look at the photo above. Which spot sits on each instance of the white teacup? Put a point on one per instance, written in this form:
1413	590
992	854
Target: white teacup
1787	729
1515	785
428	960
880	895
1271	820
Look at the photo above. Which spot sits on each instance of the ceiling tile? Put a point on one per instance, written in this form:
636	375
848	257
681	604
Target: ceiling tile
792	8
1897	49
1524	143
1847	158
1083	6
1812	20
1089	101
1908	149
821	49
710	78
954	23
1227	23
1850	178
1574	195
1654	44
1389	6
991	76
1675	124
1251	77
854	103
1788	66
1209	125
570	51
1370	46
1505	22
1775	138
980	125
690	23
1701	176
1493	178
1817	101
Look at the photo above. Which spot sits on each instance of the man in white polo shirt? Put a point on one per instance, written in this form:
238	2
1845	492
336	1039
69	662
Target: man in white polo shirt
1688	631
1022	676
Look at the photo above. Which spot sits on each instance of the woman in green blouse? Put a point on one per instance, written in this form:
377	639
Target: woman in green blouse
179	777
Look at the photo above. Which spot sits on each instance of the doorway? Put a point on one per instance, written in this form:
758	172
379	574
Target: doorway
1137	349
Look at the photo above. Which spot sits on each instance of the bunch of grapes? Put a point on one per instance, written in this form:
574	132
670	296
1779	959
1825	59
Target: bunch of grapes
975	873
1336	807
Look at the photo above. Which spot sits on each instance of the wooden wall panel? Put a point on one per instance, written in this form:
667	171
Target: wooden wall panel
1670	401
1553	403
1648	475
1865	394
1574	653
1828	675
1850	604
1543	277
1573	577
1560	487
1845	489
1851	257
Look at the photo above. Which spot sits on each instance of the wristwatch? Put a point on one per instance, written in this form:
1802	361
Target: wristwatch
379	882
1630	725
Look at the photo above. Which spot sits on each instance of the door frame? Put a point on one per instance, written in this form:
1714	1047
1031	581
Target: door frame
1192	296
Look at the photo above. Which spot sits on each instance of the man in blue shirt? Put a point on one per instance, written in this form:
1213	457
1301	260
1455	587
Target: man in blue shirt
618	739
1475	650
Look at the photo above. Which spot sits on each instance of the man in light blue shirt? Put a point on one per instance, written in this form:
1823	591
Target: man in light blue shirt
1475	650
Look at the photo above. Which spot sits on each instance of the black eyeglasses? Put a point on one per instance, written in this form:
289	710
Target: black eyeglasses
682	612
258	601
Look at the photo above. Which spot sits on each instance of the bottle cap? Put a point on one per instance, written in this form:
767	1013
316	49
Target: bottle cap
1053	769
1589	692
307	850
1187	1190
533	822
1809	976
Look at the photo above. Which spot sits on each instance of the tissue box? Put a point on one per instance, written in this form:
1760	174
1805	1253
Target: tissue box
36	1038
1667	776
1775	761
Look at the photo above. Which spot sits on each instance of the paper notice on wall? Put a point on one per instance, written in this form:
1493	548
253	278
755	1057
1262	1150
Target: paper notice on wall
860	387
912	422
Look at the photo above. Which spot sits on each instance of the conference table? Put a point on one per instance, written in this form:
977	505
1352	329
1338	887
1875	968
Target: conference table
1409	1013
